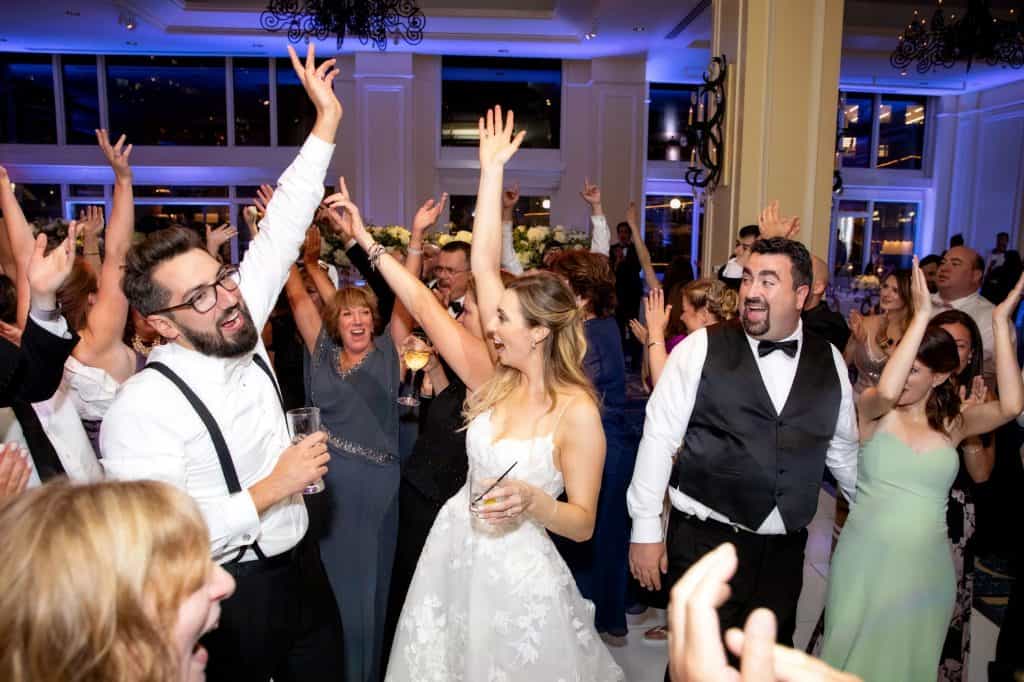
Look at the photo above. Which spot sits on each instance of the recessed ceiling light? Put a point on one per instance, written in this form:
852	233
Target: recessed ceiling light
639	29
903	73
590	35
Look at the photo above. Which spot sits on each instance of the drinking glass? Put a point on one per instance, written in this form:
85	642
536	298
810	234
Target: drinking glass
302	422
416	354
481	478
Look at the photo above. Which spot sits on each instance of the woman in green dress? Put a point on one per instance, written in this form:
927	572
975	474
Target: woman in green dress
892	583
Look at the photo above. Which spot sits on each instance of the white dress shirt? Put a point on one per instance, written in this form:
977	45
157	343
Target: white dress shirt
151	431
668	414
600	235
980	309
732	269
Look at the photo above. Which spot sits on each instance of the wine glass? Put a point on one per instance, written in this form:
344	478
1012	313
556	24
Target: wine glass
416	354
302	422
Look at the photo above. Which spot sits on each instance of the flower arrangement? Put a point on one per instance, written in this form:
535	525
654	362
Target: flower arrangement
530	242
867	283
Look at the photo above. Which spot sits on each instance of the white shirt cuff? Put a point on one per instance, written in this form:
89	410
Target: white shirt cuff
317	151
240	522
647	530
58	327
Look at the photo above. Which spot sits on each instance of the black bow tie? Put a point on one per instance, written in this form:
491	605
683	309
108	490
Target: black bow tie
787	347
455	307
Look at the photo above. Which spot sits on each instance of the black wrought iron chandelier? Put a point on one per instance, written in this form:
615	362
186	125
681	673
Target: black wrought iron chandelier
372	21
975	35
704	135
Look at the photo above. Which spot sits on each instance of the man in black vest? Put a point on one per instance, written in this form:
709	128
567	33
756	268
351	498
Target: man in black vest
753	411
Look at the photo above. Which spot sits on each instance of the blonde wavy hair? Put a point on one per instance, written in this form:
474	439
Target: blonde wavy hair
715	296
545	301
93	576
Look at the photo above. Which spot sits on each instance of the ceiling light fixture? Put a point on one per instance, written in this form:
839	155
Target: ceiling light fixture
975	36
639	29
127	20
372	21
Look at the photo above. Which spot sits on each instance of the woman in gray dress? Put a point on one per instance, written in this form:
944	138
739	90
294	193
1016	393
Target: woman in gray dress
353	377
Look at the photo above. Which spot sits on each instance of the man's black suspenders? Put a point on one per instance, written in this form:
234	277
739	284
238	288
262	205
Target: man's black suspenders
227	465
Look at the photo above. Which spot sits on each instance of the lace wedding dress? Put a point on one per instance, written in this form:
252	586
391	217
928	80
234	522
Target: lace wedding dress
494	604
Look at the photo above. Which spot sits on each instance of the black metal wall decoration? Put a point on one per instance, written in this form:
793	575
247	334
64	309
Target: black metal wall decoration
704	135
975	35
372	21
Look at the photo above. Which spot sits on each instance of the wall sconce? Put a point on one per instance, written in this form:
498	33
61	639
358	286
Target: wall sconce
704	135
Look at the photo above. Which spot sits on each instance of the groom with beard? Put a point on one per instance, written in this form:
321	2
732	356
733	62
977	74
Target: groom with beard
752	411
206	415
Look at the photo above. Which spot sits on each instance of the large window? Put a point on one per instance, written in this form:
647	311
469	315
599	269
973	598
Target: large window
673	226
252	101
40	203
168	100
295	113
531	87
26	100
528	211
872	238
81	98
901	131
882	131
668	116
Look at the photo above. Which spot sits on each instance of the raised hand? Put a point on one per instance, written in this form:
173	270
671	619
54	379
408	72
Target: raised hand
657	314
91	221
639	331
510	197
497	145
117	155
1005	309
857	326
633	217
772	224
428	214
979	394
311	247
342	200
46	272
922	298
318	82
591	193
219	236
263	196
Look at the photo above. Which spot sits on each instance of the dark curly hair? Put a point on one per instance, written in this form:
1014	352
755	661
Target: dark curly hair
799	257
974	365
590	276
938	353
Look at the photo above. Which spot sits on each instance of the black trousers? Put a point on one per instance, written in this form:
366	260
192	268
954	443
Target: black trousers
1009	655
281	622
770	573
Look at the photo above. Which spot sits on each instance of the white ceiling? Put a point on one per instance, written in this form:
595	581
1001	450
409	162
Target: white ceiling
540	28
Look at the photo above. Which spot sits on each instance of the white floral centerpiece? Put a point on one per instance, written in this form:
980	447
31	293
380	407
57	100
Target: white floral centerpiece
867	283
530	242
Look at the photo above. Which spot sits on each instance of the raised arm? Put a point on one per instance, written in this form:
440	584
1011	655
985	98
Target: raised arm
600	235
19	233
465	354
509	259
307	317
497	145
657	315
991	415
106	320
311	260
218	237
92	222
300	189
633	219
876	401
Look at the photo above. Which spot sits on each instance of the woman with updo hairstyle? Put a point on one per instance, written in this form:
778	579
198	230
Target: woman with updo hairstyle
910	425
601	566
533	431
698	304
106	582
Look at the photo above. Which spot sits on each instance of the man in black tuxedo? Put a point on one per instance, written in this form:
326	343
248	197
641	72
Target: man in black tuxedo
817	316
753	411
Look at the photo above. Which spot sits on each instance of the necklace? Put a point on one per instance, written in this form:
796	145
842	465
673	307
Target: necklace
142	347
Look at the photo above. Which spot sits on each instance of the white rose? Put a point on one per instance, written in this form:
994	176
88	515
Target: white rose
560	235
444	239
524	258
464	236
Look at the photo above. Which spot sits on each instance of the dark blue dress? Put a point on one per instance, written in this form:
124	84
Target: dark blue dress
601	565
359	412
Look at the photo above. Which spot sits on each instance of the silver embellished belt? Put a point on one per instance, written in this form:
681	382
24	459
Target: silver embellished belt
372	454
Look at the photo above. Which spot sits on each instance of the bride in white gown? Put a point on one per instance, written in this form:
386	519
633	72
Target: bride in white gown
491	599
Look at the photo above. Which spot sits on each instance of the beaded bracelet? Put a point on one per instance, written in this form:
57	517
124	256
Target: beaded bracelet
374	253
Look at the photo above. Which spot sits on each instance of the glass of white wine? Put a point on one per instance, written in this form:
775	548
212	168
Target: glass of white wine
416	354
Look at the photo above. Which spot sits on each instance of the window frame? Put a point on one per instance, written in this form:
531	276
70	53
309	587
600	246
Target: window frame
926	146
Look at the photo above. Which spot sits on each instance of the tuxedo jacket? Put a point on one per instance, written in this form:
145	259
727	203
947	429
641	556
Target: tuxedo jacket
33	371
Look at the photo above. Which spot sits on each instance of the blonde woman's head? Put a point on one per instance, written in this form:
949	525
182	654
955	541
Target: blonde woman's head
110	581
538	319
707	301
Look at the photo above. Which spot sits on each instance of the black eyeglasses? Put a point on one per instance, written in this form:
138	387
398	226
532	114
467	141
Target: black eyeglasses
204	298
